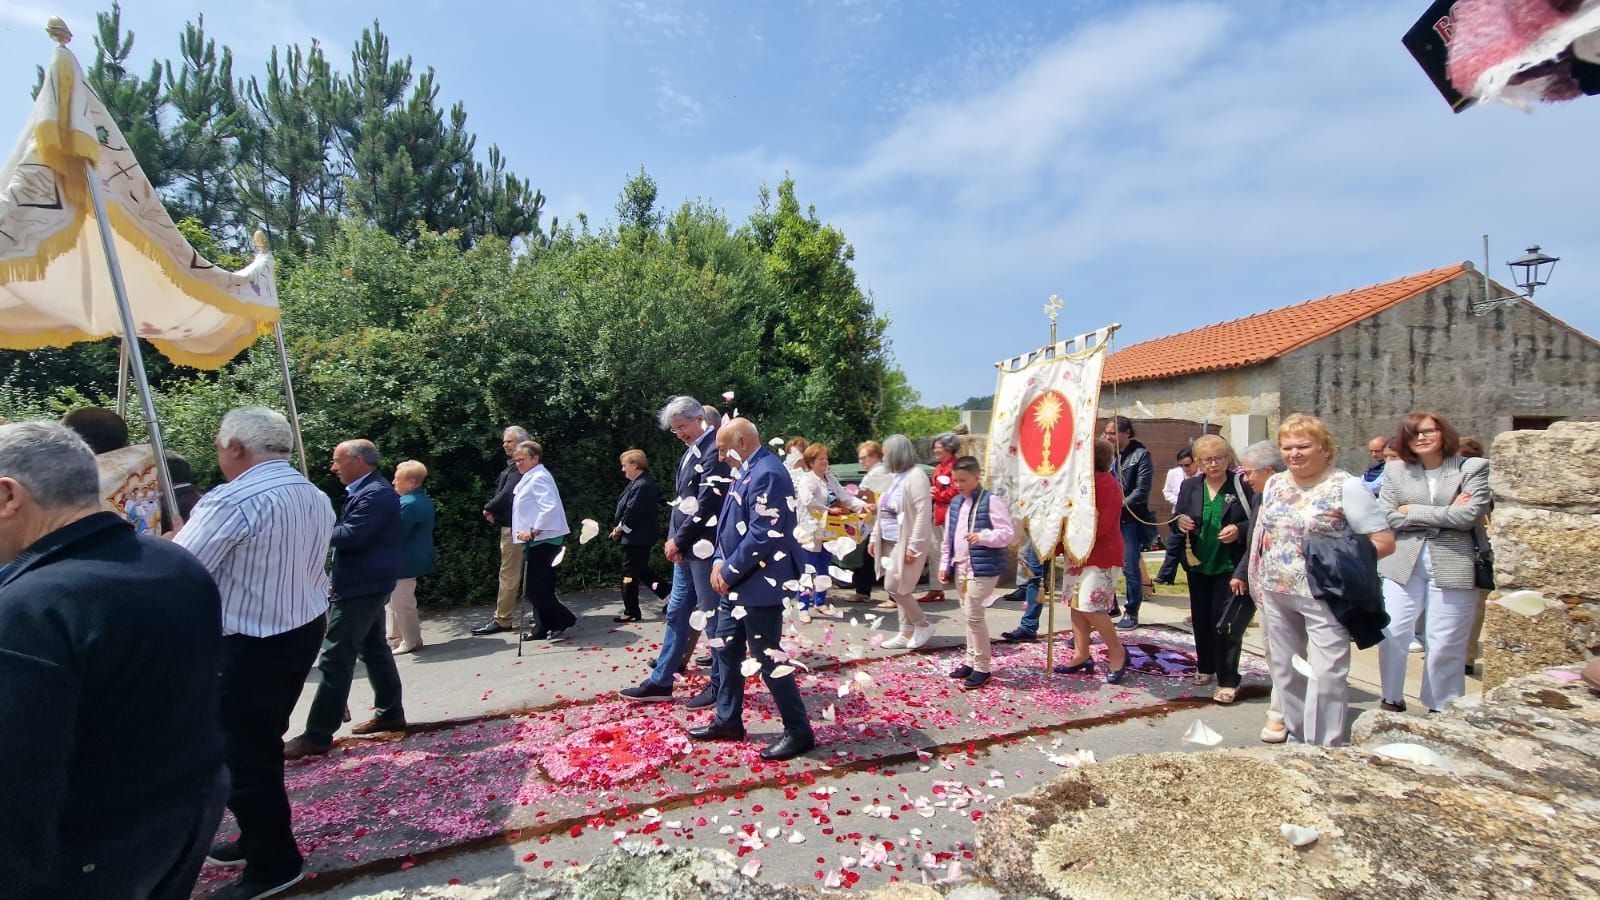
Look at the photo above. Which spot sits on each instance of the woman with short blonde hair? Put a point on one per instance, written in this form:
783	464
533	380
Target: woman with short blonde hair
416	555
1313	497
1213	513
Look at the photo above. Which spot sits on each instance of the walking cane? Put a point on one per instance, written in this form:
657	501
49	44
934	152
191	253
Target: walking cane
522	603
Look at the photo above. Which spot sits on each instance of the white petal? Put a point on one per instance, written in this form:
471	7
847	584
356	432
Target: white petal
782	671
711	522
749	667
844	689
796	837
716	643
1416	754
1200	733
738	612
728	396
703	549
697	620
1523	603
688	505
821	583
1301	666
1300	835
562	554
829	714
840	574
741	528
589	531
863	679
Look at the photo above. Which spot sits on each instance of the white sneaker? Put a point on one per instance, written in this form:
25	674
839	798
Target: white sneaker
1416	646
921	635
898	642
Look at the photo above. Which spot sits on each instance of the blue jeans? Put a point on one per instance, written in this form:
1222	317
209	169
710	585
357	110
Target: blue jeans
1031	611
1133	536
691	585
760	629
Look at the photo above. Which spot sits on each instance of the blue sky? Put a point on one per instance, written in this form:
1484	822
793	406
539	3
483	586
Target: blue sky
1163	165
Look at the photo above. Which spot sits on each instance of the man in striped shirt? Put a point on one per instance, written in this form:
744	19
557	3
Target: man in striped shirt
264	537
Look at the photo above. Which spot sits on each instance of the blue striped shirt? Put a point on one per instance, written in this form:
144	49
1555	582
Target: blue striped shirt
264	538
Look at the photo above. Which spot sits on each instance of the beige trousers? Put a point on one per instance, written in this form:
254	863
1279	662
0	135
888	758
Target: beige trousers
405	629
900	580
505	604
974	591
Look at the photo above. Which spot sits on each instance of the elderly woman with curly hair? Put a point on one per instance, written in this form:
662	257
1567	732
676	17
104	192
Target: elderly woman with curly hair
1314	497
902	539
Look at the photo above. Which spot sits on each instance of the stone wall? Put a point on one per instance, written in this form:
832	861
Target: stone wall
1431	353
1546	528
1207	397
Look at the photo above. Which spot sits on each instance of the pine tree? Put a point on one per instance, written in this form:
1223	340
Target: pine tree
204	138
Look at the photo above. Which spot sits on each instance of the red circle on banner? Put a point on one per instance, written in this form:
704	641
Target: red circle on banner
1044	433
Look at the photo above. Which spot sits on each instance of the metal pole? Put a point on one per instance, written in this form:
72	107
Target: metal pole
130	338
288	398
122	379
1486	300
1049	575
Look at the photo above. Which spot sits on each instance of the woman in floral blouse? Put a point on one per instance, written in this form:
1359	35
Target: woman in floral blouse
1312	497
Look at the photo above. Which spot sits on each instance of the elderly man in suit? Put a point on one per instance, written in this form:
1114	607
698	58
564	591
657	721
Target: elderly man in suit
701	483
753	572
112	781
367	554
498	512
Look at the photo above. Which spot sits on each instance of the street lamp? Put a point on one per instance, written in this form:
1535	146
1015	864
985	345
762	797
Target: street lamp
1530	271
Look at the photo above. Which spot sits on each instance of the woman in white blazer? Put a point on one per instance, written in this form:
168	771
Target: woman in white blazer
902	538
1434	500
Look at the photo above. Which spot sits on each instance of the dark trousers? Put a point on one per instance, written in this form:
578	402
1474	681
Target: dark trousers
261	680
1219	624
1169	564
1133	541
865	576
356	630
188	833
539	586
635	569
760	629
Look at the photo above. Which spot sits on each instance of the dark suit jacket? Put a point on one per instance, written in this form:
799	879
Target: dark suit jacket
639	512
368	546
1191	503
110	745
703	476
763	500
505	489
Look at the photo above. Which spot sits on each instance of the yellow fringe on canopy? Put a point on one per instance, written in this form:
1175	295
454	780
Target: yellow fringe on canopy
178	273
63	148
65	337
33	268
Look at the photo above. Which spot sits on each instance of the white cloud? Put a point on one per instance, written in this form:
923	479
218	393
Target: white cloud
677	107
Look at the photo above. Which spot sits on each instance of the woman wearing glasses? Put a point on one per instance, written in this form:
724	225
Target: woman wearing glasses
1213	511
1434	500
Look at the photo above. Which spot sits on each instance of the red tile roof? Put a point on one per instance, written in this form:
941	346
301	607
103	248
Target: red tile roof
1264	336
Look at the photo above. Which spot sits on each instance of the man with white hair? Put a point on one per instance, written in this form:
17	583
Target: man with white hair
367	555
264	537
701	483
498	512
111	783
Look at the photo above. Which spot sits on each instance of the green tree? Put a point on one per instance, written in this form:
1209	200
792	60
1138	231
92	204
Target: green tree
290	184
134	103
205	136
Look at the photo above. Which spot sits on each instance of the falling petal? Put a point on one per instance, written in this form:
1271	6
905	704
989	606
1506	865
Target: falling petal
738	612
1301	666
1300	835
688	505
776	442
1416	754
839	574
749	667
703	549
560	555
588	531
728	396
1200	733
782	671
716	643
627	579
697	620
821	584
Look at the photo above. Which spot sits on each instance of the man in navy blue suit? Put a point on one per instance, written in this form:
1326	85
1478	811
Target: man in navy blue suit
756	566
366	563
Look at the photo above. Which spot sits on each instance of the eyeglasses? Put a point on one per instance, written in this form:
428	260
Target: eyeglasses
1427	432
1213	460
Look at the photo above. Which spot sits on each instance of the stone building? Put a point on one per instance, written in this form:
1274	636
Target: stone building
1362	359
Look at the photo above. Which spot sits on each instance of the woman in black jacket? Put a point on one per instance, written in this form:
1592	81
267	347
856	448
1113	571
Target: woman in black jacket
1213	512
637	528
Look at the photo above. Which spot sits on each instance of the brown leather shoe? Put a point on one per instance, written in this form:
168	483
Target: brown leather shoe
378	726
931	597
301	747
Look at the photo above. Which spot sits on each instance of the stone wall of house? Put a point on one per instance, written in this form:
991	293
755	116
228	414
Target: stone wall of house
1208	397
1546	528
1431	353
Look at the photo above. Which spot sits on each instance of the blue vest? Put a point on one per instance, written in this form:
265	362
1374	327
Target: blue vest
986	561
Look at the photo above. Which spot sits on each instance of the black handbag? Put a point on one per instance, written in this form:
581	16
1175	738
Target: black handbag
1482	561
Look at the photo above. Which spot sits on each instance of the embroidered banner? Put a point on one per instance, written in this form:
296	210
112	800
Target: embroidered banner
1041	442
55	287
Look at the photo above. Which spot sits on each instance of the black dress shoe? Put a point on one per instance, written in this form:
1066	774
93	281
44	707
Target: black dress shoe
706	699
789	746
718	732
961	671
536	635
490	628
1018	636
703	662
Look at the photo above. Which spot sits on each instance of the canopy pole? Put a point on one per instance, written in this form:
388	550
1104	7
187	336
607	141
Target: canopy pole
122	380
130	339
288	398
